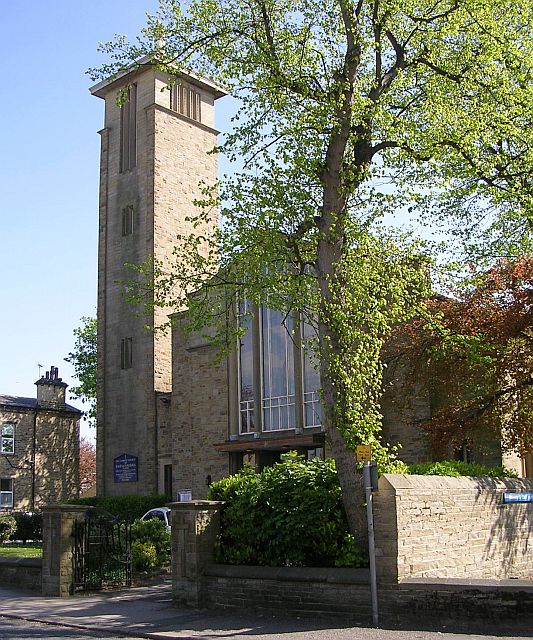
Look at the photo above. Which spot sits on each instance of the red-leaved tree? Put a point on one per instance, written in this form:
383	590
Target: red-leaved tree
478	344
87	464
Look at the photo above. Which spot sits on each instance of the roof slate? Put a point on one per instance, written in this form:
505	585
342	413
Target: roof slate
31	403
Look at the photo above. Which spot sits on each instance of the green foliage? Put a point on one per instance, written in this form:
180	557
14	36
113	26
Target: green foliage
126	507
143	556
457	468
347	109
29	526
153	532
290	514
83	357
8	526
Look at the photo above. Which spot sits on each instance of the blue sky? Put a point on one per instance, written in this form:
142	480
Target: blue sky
49	176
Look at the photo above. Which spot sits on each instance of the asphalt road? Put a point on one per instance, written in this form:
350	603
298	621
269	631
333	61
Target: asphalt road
20	630
15	629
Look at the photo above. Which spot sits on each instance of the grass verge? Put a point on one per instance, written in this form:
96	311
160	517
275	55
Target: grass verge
14	550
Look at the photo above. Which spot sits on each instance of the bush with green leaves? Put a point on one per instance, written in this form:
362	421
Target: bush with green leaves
8	526
29	526
127	507
154	533
143	556
290	514
456	468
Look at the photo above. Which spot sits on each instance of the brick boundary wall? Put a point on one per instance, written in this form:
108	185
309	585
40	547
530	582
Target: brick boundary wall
25	573
441	527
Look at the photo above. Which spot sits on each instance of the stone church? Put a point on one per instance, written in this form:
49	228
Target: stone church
169	419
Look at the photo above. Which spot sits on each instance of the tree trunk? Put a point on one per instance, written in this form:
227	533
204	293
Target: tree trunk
351	481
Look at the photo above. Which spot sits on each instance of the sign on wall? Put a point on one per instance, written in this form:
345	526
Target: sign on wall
510	497
126	468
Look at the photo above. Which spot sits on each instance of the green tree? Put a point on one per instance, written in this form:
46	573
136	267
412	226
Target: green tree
83	358
343	105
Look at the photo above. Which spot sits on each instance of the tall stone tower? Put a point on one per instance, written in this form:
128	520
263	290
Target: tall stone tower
154	154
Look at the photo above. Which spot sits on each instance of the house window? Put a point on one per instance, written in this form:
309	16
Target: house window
127	220
128	130
6	493
7	438
126	357
186	101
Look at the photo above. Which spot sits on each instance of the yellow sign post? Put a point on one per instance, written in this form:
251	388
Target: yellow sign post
363	453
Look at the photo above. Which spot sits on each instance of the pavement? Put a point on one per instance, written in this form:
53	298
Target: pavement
148	612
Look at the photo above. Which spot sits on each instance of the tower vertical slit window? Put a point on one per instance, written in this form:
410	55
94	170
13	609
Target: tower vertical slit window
127	220
126	353
128	130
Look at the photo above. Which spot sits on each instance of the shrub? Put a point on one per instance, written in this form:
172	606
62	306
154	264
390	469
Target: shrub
153	533
126	507
457	468
8	526
29	526
143	556
289	514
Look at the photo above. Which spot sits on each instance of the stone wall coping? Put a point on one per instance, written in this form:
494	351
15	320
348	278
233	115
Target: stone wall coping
466	584
196	505
390	481
73	508
21	562
335	575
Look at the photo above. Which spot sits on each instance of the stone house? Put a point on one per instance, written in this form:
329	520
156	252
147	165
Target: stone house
168	418
38	447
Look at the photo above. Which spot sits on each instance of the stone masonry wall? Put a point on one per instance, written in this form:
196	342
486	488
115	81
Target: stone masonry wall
433	526
56	457
22	573
199	415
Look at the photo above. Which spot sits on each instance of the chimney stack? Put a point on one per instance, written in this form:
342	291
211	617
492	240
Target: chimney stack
51	390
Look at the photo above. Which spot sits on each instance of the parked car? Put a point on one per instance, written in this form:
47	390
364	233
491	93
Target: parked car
161	513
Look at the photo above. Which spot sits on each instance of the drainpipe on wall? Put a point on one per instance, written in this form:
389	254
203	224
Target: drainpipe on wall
33	458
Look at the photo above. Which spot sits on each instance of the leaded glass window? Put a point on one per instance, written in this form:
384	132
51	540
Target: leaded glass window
279	411
246	369
312	404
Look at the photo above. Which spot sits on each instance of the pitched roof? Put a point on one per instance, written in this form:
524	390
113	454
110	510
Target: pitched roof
31	403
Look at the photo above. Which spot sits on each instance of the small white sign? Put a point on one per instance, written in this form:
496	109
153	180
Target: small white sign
184	495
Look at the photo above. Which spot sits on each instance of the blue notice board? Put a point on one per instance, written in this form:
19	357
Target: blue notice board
125	468
510	497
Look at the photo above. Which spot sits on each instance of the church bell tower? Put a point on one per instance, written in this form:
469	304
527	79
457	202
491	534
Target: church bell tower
154	154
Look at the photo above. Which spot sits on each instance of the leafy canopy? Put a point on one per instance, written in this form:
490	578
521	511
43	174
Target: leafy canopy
347	108
83	358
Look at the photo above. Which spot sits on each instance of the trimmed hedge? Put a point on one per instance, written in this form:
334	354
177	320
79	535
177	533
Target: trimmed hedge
29	526
126	507
456	468
290	514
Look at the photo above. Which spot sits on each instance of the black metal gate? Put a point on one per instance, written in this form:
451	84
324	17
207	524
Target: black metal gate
101	552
